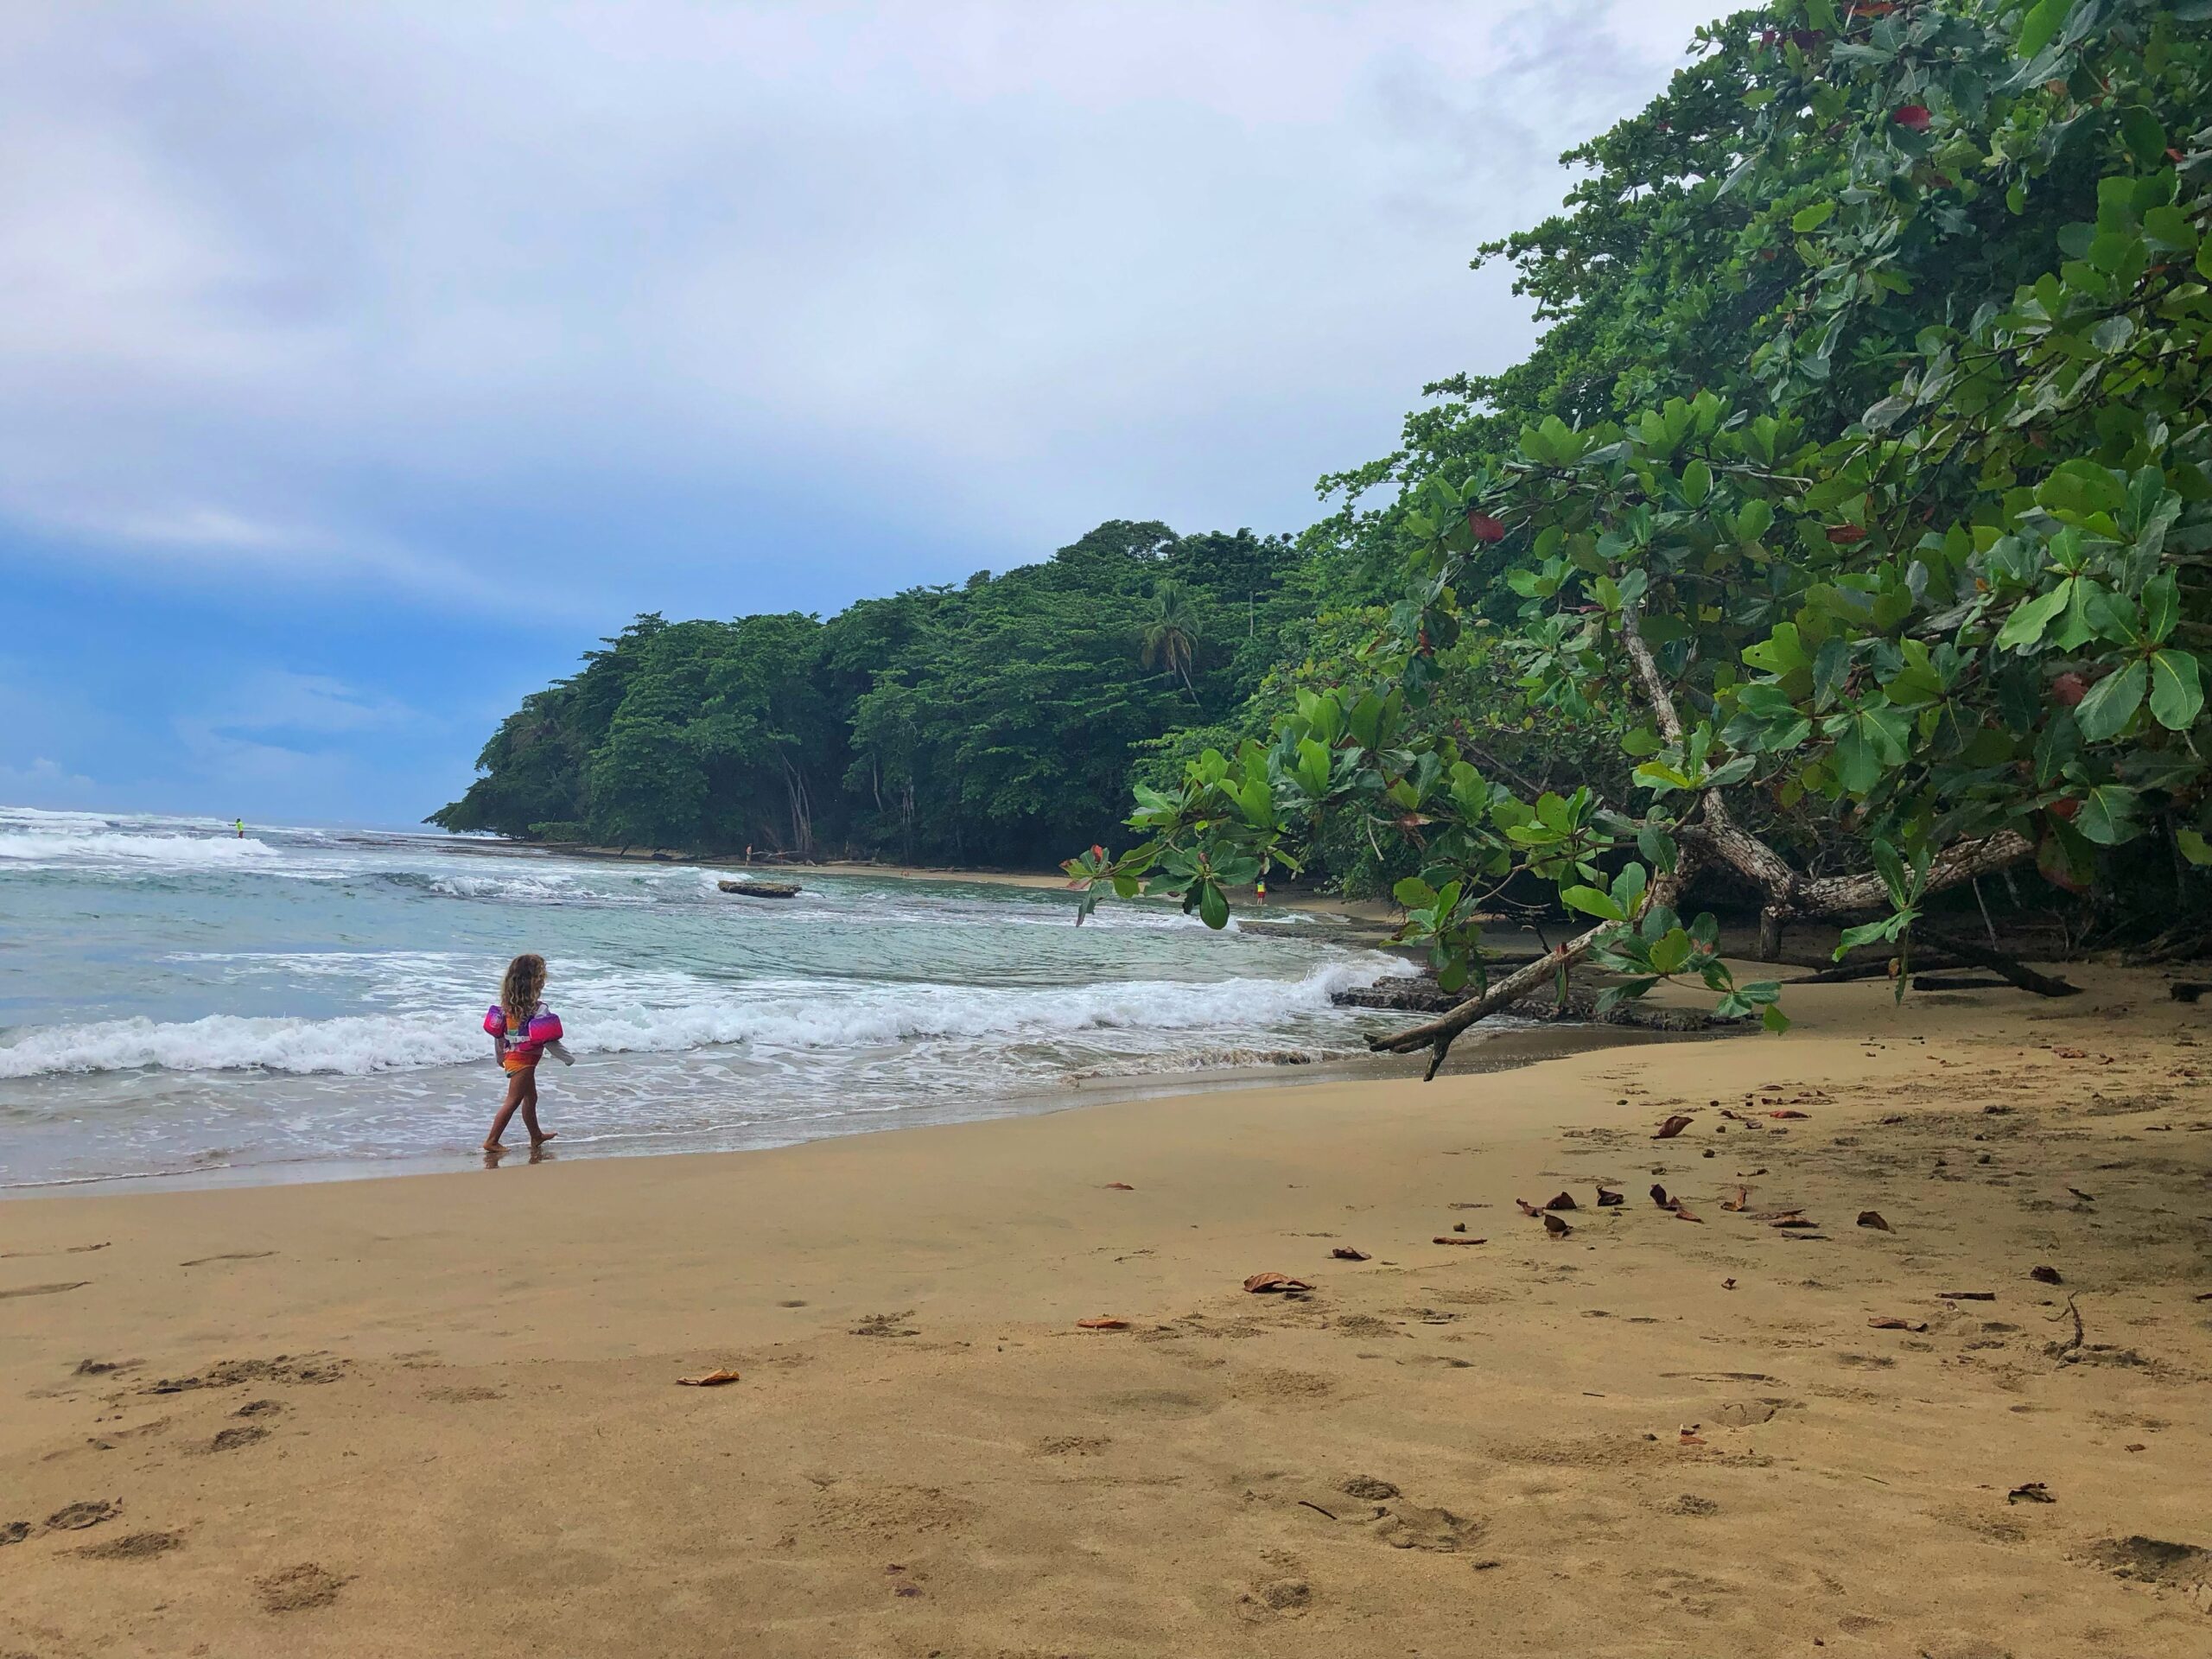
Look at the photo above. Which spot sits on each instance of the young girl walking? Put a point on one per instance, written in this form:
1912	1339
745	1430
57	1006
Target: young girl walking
522	1027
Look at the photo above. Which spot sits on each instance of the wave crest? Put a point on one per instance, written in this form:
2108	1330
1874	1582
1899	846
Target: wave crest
835	1017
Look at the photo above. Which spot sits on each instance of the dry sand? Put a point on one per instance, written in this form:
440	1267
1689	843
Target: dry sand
439	1415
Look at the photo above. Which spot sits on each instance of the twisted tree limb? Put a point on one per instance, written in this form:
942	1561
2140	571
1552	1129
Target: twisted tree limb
1787	891
1711	835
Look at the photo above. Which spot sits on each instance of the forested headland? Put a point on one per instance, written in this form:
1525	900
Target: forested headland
1843	543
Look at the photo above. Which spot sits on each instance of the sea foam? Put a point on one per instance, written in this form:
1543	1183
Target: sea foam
833	1016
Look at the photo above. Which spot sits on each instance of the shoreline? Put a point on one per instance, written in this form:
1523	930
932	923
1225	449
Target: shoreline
1505	1048
439	1414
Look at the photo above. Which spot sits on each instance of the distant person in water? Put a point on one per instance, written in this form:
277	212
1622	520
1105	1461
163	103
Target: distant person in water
241	828
522	1028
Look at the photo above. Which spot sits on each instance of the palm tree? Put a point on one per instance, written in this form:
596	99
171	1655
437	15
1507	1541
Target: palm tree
1170	632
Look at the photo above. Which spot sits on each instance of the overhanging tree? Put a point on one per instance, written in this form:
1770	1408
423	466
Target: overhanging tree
1902	592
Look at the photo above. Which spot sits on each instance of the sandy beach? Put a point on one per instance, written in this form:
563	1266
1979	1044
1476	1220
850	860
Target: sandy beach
441	1414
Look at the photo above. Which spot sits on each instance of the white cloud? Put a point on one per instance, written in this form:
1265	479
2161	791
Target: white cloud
346	289
45	782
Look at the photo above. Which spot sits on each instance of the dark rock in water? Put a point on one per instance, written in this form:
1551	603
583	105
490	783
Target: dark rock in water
1405	995
1425	996
761	889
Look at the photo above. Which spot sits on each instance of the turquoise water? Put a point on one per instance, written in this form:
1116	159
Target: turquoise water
174	1001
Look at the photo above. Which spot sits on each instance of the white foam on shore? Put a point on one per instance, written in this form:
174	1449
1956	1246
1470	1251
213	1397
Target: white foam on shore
840	1016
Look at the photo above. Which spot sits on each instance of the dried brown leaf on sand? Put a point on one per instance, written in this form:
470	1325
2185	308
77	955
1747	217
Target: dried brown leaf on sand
1659	1196
1564	1201
2033	1492
1873	1218
1555	1227
1104	1322
1527	1208
1345	1252
1672	1127
1892	1323
1607	1198
708	1380
1682	1213
1741	1200
1276	1281
2045	1275
1454	1238
1790	1111
1119	1187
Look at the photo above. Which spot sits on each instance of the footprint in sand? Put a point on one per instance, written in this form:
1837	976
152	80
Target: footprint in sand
137	1546
1283	1598
230	1440
1157	1402
75	1518
1077	1445
1410	1526
886	1324
296	1589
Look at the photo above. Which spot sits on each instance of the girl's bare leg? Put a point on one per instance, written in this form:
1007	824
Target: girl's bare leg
519	1085
538	1137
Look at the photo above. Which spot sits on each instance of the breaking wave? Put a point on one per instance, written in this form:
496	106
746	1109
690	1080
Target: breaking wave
835	1017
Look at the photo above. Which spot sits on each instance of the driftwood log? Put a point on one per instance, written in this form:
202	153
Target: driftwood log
746	889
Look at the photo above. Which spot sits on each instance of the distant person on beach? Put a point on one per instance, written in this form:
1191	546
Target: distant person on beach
522	1028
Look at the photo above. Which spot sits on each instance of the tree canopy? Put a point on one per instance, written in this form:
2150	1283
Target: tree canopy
997	722
1859	487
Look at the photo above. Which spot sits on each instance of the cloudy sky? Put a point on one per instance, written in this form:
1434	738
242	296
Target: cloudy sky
360	364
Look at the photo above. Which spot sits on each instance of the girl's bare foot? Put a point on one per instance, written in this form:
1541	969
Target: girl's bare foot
493	1146
540	1140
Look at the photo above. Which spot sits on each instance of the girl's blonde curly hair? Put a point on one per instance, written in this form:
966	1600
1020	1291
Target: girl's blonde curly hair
523	984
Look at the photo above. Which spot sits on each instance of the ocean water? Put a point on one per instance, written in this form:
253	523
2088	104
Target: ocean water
176	1001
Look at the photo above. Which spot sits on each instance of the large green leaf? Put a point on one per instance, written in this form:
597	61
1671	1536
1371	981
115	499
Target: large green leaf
2107	814
2041	25
2024	627
2176	692
2112	703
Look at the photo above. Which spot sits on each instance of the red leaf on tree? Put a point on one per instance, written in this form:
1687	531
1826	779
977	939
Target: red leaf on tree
2070	688
1485	528
1913	118
1846	534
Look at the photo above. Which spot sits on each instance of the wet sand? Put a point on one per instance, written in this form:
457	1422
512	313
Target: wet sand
441	1414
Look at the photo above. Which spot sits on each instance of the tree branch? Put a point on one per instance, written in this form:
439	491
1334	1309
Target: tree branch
1438	1034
